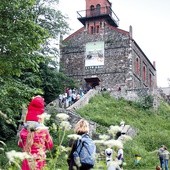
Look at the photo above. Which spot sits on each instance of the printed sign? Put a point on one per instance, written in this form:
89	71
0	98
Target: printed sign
94	54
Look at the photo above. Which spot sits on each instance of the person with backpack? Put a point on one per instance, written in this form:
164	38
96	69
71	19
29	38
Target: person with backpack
82	155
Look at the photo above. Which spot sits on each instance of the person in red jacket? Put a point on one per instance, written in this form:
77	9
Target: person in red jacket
34	137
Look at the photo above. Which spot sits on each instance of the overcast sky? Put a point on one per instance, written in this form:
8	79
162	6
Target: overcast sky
150	20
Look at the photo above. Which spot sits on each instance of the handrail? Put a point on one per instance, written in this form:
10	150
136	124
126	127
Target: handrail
97	12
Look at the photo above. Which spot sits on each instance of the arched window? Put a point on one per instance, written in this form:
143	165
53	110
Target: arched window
91	29
144	73
97	29
137	66
98	9
92	9
150	80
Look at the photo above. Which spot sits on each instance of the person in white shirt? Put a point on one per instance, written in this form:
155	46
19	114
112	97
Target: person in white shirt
166	157
120	157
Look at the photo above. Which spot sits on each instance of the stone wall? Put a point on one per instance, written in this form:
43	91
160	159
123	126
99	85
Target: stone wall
143	61
120	52
71	111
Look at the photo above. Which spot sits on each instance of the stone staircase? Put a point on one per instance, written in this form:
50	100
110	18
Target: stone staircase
71	110
74	117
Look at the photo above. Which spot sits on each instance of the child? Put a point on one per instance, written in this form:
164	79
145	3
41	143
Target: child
34	137
137	159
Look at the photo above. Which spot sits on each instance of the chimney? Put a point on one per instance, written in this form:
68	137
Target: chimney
154	64
131	32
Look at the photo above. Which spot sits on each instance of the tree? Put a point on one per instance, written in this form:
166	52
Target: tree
22	63
50	18
20	37
53	82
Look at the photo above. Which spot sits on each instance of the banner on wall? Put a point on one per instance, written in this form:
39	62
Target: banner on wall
94	54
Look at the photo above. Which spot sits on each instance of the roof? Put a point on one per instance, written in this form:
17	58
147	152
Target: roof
73	34
82	29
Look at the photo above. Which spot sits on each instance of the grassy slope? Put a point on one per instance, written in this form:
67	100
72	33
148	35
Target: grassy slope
153	127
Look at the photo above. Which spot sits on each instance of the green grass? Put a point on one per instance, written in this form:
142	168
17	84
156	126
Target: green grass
153	127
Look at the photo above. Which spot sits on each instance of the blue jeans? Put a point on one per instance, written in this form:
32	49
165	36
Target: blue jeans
166	164
161	163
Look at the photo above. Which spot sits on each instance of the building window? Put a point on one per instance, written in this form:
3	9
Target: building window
97	29
137	66
98	9
144	73
150	80
91	29
92	10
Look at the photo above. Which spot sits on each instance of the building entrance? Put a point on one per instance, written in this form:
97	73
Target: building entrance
92	82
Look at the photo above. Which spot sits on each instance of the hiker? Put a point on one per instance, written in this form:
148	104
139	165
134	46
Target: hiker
82	155
160	155
111	164
34	137
166	157
120	157
137	159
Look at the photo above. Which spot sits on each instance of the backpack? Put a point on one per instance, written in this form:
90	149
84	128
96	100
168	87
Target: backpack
85	150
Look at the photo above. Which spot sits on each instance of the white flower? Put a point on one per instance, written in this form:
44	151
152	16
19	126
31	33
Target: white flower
124	138
99	141
62	116
65	125
113	130
63	148
74	136
54	127
122	123
111	143
104	137
12	155
44	116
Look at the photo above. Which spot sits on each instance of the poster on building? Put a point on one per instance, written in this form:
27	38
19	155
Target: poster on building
94	54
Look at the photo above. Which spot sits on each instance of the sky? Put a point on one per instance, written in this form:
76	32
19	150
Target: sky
150	20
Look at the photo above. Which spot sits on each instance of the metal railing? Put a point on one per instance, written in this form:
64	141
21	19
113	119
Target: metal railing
96	12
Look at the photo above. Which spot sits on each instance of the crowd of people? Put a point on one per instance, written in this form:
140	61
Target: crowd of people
35	139
70	96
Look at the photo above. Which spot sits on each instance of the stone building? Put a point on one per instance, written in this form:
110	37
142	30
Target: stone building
100	53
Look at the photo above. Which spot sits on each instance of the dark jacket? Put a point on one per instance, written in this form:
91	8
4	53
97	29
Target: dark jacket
70	160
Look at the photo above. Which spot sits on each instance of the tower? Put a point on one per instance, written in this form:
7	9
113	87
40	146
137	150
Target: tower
100	53
96	14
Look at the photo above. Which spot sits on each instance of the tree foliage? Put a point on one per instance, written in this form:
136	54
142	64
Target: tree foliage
53	82
20	37
51	19
24	70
